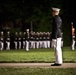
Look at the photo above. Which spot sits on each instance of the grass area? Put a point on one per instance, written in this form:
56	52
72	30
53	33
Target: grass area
37	71
36	55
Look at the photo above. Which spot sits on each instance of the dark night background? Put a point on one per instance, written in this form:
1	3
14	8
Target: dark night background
36	15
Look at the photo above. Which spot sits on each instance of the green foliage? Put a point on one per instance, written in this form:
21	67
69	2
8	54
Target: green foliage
37	11
27	9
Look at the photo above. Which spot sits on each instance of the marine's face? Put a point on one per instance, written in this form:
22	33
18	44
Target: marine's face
1	33
55	13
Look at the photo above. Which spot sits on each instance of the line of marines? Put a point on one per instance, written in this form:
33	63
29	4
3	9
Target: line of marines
25	40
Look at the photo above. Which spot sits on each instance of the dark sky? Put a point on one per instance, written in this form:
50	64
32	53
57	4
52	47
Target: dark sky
70	11
67	5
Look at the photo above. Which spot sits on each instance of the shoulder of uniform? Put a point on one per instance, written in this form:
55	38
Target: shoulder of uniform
57	18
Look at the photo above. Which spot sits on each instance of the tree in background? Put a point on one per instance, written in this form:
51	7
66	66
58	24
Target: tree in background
33	14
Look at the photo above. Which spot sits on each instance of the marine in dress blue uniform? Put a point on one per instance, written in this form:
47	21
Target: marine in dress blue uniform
24	40
27	39
1	40
20	40
73	37
57	36
16	40
8	41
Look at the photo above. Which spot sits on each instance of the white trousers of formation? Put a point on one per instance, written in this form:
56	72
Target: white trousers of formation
19	44
41	44
8	45
24	43
37	44
48	44
27	45
45	44
58	50
73	44
2	45
32	44
15	44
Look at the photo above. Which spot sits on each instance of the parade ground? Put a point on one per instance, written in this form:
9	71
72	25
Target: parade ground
37	69
42	58
38	65
36	56
36	62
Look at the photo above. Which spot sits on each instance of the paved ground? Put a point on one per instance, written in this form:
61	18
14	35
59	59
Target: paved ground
40	65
